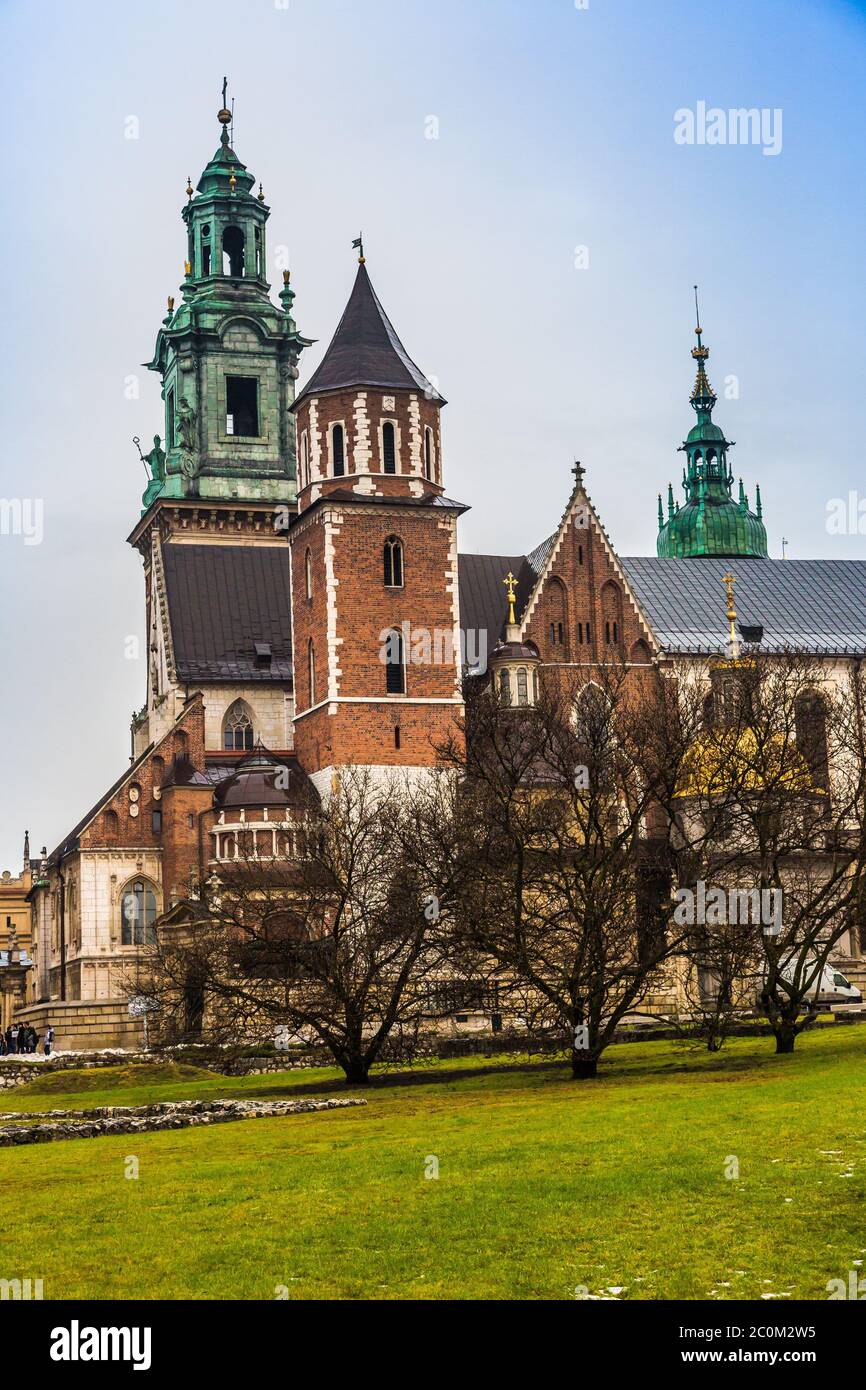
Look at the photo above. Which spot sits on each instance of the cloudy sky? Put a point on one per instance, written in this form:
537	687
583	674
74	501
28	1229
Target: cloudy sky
535	213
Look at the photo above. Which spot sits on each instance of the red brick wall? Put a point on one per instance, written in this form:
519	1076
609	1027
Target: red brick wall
364	733
583	591
185	841
115	824
339	407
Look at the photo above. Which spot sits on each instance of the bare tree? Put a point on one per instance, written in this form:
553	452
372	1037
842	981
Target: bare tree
774	797
566	826
720	980
335	946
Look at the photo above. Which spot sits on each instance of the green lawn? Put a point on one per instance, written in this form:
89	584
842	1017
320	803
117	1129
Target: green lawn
544	1184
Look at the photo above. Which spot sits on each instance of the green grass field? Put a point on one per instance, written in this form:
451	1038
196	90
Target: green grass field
544	1184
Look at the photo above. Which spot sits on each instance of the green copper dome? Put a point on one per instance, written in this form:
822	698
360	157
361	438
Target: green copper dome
710	522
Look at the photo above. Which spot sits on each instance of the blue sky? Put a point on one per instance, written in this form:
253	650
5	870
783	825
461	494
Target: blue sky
555	131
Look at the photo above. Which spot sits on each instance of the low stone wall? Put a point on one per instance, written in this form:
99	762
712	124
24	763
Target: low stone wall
264	1066
144	1119
17	1070
85	1024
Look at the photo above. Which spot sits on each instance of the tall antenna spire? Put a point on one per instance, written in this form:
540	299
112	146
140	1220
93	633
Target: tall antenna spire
703	397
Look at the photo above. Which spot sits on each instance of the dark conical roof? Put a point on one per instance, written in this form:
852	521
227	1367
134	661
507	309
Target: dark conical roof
263	779
365	350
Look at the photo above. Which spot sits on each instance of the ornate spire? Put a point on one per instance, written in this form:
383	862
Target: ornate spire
712	521
703	396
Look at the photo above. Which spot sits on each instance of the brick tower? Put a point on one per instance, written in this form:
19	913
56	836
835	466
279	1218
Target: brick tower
375	615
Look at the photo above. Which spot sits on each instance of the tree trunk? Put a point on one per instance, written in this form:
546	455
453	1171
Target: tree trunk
583	1067
356	1070
786	1037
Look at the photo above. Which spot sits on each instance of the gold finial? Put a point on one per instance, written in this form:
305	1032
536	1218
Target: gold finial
261	194
170	302
731	614
509	581
189	188
187	268
285	277
232	181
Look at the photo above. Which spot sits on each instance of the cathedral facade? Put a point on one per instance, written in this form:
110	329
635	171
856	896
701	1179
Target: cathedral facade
293	546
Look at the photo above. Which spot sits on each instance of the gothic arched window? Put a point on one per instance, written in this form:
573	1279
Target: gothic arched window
308	572
338	451
395	664
238	735
611	603
593	718
505	686
522	689
558	607
389	449
708	710
392	557
810	715
137	914
428	454
311	670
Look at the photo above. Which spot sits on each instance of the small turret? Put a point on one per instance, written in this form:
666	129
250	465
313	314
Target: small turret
514	663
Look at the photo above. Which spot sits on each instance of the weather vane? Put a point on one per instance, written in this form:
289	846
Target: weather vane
358	245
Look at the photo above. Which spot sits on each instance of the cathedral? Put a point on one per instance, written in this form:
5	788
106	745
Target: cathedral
308	608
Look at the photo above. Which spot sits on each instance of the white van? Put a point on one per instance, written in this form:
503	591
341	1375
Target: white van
831	987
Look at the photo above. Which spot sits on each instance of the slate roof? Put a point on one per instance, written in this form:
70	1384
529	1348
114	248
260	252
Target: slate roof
814	606
365	350
483	601
222	600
